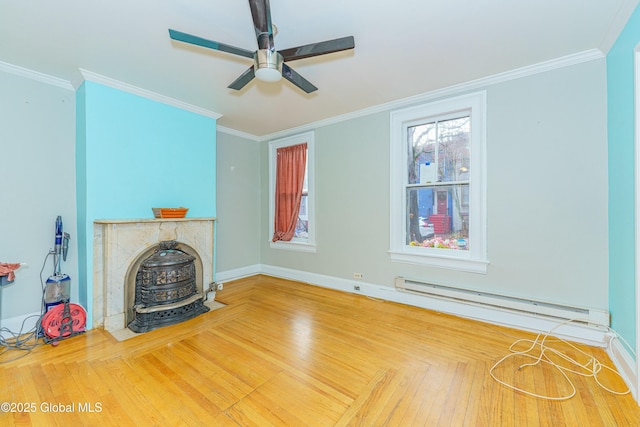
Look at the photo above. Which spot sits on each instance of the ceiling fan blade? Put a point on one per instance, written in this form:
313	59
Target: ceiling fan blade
315	49
295	78
242	81
199	41
261	13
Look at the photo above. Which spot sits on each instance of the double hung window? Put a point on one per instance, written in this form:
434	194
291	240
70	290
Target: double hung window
438	213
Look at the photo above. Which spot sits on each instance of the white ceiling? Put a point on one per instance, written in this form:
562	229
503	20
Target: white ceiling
403	48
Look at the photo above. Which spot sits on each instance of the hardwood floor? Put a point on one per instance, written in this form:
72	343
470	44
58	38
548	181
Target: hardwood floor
284	353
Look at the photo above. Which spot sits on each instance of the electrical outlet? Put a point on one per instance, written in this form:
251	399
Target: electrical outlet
219	286
357	275
356	288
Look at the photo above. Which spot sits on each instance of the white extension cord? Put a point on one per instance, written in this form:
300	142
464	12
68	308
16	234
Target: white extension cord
539	351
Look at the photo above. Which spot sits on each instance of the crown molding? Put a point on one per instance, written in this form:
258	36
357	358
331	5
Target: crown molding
234	132
34	75
566	61
542	67
154	96
83	75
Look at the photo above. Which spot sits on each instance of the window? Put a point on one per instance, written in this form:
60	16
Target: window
438	209
304	234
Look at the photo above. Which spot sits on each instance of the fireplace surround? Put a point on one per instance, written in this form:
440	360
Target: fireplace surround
121	246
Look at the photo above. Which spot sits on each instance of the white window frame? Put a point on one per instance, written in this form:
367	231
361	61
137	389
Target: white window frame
296	244
472	260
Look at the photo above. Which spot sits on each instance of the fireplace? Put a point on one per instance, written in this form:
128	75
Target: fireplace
123	257
165	290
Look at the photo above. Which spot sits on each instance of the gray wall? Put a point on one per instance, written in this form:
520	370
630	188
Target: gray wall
352	203
37	173
238	203
547	194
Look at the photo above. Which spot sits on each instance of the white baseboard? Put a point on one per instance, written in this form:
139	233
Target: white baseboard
237	273
625	364
583	333
19	325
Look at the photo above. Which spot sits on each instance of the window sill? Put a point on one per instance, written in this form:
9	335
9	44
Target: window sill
293	246
442	261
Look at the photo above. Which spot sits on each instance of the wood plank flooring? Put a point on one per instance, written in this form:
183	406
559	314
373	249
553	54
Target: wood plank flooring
283	353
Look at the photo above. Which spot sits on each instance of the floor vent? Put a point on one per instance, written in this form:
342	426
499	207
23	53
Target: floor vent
502	302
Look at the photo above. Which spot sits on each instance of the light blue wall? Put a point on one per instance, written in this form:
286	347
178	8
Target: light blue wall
83	239
620	115
134	154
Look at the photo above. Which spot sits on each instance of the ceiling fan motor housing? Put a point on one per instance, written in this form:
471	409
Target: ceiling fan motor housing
266	58
268	65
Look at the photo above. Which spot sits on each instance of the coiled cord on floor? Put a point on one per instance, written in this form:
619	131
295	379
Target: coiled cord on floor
24	340
591	368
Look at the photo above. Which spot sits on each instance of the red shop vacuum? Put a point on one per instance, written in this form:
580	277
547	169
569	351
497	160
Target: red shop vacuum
62	319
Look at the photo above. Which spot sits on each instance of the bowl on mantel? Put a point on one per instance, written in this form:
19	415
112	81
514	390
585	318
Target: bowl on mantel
169	212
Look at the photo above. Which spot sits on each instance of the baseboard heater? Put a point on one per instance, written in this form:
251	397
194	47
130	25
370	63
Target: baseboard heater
502	302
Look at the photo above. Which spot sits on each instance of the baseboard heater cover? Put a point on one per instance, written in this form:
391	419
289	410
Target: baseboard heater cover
503	302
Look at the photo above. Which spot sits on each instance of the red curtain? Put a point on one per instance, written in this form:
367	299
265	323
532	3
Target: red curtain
291	164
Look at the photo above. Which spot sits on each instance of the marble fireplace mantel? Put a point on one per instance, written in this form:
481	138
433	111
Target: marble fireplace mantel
119	243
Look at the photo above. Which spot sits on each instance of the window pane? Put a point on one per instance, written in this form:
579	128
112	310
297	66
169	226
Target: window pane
438	216
421	153
439	151
302	226
453	149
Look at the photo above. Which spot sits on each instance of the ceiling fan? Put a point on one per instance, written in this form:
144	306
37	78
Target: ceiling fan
269	64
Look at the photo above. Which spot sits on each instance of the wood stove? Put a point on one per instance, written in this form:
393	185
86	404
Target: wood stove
165	289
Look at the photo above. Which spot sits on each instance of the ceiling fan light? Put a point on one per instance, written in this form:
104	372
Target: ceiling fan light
268	75
268	65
